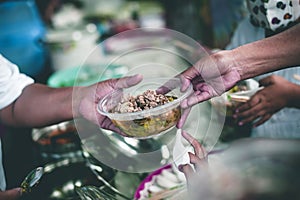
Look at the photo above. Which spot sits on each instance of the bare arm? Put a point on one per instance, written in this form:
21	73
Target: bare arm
39	105
213	75
270	54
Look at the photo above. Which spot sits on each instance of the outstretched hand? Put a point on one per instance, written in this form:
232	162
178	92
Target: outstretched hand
88	97
211	76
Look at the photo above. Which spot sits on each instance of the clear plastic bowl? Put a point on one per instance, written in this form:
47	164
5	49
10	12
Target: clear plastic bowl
146	123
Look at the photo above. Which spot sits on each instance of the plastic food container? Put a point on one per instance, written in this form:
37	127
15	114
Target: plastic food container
146	123
226	103
162	180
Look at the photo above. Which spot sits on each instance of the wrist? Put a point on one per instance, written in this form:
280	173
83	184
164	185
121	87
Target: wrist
228	60
77	96
294	96
65	108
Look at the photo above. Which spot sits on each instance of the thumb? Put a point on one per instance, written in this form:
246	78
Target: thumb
185	83
266	81
128	81
12	194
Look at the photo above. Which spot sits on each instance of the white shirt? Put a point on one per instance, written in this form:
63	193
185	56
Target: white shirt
12	82
286	122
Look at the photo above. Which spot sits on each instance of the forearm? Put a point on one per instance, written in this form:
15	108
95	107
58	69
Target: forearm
270	54
38	106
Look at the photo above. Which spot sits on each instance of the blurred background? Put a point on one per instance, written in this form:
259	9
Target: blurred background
49	41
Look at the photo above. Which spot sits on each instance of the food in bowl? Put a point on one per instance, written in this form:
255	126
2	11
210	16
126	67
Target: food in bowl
150	124
149	99
142	112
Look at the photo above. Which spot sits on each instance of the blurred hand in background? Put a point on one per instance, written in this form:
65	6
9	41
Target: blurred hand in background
277	94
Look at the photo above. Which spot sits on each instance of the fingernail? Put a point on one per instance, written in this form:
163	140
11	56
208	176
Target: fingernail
237	110
241	123
234	116
180	168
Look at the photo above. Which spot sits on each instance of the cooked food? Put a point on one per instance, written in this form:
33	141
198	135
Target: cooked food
148	124
238	88
149	99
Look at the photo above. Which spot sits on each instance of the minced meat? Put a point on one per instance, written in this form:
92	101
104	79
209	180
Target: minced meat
149	99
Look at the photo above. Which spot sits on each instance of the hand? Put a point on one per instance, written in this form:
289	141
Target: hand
88	97
211	76
12	194
266	102
198	160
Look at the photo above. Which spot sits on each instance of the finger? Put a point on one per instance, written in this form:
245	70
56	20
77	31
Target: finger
254	101
262	120
247	120
187	170
196	161
197	98
255	110
115	129
198	148
168	86
188	75
183	117
106	123
185	83
267	81
12	194
163	89
127	81
242	107
254	116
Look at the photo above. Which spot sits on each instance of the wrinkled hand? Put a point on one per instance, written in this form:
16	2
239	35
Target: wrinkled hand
87	99
12	194
266	102
211	76
198	160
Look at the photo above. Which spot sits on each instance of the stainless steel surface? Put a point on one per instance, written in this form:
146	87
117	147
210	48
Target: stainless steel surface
57	141
92	192
60	179
32	179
